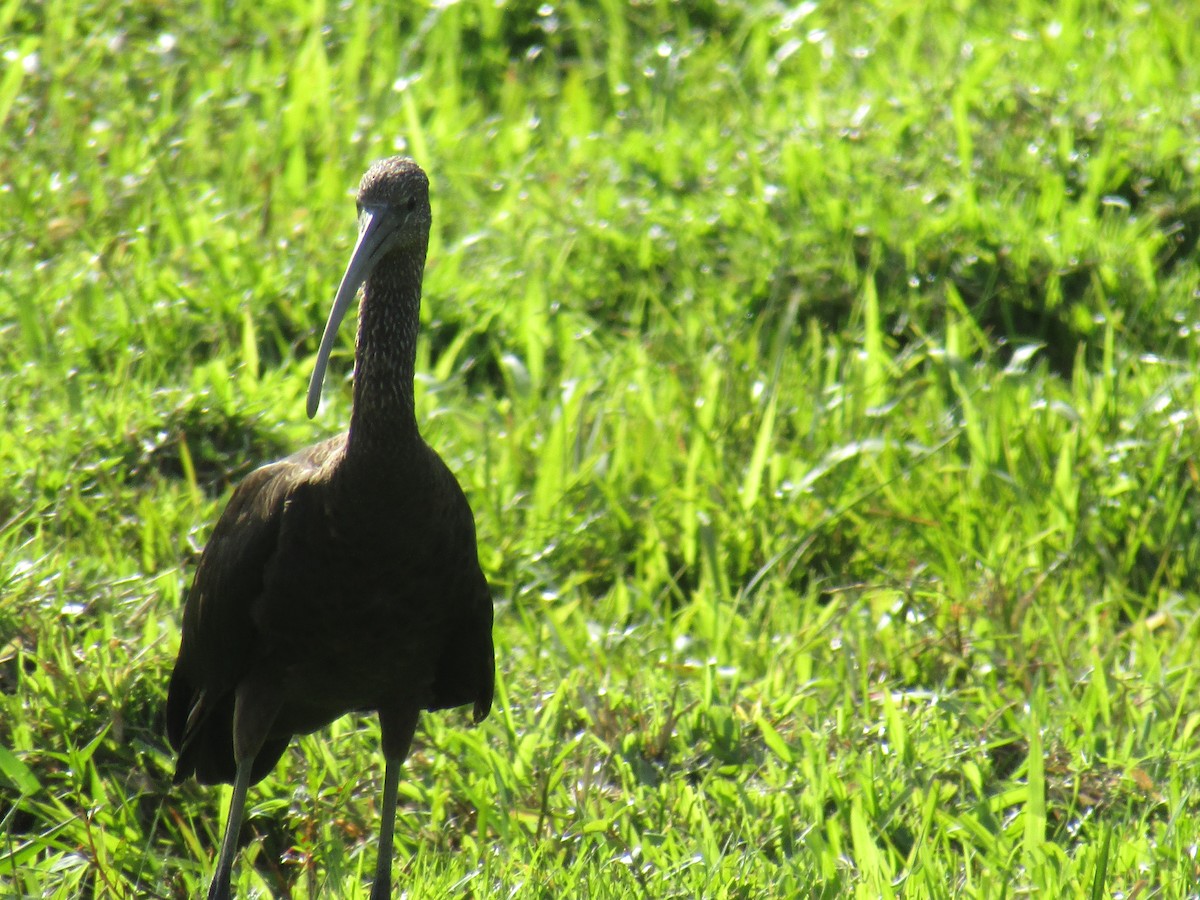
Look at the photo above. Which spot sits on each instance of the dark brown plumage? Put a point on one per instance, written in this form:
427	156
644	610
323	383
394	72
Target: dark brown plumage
345	577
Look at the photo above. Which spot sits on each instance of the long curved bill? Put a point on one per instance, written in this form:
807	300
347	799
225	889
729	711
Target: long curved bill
377	228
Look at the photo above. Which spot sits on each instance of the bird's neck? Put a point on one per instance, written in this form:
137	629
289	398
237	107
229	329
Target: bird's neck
383	421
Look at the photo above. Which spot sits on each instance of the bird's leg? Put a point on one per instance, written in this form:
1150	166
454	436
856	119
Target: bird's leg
397	732
254	709
382	887
219	889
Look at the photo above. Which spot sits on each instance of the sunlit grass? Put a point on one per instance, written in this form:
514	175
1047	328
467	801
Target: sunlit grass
822	379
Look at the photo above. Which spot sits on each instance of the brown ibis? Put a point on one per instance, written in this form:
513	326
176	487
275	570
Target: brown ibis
344	578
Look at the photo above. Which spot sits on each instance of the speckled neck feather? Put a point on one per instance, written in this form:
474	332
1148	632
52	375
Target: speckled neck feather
383	420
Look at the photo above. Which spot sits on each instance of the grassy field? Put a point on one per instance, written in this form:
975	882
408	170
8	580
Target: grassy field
823	379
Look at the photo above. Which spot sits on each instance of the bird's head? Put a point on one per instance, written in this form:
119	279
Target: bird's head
393	214
397	186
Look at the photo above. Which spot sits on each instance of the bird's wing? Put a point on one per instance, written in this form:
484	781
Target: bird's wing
481	623
466	671
219	636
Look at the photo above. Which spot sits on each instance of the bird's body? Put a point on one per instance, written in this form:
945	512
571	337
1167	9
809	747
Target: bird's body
344	577
326	606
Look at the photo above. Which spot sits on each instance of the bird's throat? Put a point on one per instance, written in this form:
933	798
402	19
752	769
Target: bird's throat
383	420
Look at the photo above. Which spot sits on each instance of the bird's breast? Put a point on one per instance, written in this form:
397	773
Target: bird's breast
351	637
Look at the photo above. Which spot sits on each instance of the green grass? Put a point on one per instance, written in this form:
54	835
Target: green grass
824	382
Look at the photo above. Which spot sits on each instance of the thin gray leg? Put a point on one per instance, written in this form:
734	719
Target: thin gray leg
382	888
219	889
396	729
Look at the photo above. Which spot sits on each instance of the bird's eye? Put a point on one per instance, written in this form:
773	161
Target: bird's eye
412	203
